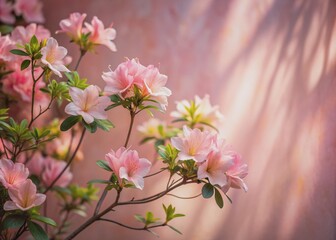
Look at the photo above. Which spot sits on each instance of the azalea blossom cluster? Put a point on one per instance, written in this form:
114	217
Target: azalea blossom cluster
39	150
92	34
214	160
131	77
127	165
29	10
17	83
21	190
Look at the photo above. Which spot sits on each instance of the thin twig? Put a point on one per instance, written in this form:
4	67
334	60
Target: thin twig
68	163
153	174
103	196
173	195
133	228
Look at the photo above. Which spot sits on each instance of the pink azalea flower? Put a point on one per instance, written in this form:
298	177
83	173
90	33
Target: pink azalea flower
235	174
127	164
12	174
6	15
154	85
115	160
101	35
52	168
153	128
199	110
214	168
31	10
6	44
53	55
87	103
36	164
134	168
72	26
24	197
23	35
194	144
19	85
122	79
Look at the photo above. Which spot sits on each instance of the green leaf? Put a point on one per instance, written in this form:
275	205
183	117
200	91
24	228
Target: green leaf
207	190
76	81
140	218
176	230
46	220
19	52
25	64
34	44
219	199
115	98
113	106
69	122
99	181
92	127
104	124
5	29
37	231
104	165
13	221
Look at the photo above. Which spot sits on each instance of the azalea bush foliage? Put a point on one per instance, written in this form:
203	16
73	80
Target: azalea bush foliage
47	108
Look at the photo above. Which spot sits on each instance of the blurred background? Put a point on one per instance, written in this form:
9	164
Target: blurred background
271	67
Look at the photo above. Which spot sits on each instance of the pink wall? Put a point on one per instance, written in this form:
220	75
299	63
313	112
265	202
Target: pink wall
271	66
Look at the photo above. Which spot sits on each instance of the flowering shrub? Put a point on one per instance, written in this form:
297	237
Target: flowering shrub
36	154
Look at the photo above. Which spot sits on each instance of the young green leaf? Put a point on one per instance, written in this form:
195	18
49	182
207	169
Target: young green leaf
104	124
219	199
25	64
19	52
69	122
207	190
13	221
99	181
140	218
92	127
37	231
104	165
46	220
34	44
176	230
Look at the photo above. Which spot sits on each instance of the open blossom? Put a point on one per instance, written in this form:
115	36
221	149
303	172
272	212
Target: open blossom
153	128
126	164
12	173
198	111
131	74
6	44
153	85
6	15
36	164
22	34
235	174
53	55
115	160
87	103
59	146
52	168
101	35
24	197
214	168
73	25
122	79
19	85
194	144
31	10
